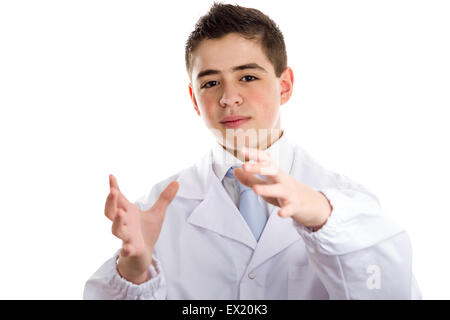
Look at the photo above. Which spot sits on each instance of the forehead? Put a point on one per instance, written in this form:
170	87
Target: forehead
227	52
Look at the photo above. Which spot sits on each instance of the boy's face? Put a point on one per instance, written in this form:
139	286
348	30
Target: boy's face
234	86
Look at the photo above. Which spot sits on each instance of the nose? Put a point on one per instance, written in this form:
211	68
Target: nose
230	97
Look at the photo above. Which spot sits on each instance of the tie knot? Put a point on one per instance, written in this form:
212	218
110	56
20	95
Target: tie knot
230	174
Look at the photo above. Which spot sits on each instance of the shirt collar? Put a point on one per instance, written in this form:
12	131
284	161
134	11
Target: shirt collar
281	151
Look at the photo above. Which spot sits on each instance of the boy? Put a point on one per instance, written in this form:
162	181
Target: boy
256	218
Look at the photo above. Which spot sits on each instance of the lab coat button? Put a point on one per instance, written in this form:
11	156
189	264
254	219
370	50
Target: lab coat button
251	275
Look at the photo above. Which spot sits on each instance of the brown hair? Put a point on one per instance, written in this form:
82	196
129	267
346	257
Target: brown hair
223	19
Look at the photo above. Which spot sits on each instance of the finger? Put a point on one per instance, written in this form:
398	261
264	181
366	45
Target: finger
111	204
270	190
127	250
122	201
119	227
246	178
266	168
166	197
113	182
286	211
255	154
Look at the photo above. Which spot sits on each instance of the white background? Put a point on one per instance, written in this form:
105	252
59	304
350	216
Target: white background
89	88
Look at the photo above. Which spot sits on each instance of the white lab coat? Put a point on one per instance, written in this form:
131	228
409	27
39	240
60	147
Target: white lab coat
206	250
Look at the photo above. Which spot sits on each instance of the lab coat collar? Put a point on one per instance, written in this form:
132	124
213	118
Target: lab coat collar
217	212
194	181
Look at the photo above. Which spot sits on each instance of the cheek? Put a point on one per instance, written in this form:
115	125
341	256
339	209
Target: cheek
207	108
266	104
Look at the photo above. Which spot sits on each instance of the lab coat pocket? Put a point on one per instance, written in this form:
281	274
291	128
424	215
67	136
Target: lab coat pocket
303	284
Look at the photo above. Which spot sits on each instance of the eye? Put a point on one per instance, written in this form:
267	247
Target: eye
249	78
209	84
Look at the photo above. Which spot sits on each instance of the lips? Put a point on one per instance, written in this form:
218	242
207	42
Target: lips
234	121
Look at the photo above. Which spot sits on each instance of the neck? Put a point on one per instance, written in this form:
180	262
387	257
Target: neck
262	146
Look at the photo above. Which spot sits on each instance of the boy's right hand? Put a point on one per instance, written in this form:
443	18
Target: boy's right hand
139	230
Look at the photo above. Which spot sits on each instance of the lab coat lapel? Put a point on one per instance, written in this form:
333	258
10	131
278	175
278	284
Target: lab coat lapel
216	212
279	233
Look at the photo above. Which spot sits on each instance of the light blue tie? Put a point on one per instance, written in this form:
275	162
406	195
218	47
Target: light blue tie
250	207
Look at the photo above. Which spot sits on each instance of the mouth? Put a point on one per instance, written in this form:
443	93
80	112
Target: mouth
233	122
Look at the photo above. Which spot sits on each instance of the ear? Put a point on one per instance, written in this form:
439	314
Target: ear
194	101
287	84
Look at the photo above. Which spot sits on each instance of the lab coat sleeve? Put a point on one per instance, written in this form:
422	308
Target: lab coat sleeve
107	284
360	253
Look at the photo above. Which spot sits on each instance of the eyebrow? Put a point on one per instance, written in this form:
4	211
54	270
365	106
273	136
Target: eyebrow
237	68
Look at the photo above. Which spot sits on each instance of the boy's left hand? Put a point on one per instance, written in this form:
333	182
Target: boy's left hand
295	199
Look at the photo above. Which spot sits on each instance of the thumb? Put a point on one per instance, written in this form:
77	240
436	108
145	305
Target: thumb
247	179
166	197
113	182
